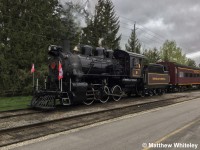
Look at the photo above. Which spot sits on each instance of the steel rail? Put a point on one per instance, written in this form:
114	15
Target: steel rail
37	130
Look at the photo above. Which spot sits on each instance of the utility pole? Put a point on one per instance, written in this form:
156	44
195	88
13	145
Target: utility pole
134	29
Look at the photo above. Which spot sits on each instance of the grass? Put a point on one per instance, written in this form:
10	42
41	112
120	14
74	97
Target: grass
13	103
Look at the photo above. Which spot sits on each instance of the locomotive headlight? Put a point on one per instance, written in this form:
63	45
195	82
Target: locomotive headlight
52	47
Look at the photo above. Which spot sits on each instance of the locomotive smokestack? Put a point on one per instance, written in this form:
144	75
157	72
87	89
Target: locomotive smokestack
66	46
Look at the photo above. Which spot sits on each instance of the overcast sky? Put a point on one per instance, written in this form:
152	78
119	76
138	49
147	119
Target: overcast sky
159	20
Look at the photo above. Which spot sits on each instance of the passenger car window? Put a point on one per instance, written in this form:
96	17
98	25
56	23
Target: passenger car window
181	74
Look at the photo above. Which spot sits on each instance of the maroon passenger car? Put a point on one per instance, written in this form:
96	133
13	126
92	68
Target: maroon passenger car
182	77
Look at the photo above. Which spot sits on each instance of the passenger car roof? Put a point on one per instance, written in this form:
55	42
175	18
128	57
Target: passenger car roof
180	65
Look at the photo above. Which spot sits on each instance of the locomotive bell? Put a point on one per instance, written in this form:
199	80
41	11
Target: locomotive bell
76	49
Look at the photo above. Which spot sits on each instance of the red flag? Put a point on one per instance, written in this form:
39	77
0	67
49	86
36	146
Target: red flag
60	75
33	68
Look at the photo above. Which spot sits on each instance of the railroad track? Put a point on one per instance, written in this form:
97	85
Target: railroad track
29	117
28	111
14	113
14	134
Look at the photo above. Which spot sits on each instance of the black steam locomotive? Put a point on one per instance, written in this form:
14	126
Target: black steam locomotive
97	74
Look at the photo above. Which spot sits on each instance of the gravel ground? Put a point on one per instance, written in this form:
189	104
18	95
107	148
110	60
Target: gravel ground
18	121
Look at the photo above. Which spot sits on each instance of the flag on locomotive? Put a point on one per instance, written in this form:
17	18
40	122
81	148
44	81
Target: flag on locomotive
60	70
33	68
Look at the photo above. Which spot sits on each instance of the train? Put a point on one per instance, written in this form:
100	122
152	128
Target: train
99	74
182	77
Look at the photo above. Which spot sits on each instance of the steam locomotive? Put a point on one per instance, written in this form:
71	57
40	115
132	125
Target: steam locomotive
97	74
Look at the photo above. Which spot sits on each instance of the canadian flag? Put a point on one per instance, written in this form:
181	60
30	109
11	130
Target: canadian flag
33	68
60	71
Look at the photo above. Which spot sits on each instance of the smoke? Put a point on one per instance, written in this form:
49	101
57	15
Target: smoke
82	10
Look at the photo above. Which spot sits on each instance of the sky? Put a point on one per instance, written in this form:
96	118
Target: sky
157	21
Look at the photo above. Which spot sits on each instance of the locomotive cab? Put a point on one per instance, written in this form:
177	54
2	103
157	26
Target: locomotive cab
136	67
132	63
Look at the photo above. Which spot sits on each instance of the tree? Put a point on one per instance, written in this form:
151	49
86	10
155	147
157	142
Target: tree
191	63
104	26
69	24
170	52
152	55
88	36
27	28
133	43
80	11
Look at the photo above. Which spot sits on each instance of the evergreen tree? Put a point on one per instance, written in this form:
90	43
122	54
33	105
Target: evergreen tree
27	28
69	25
104	25
152	55
88	36
133	43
